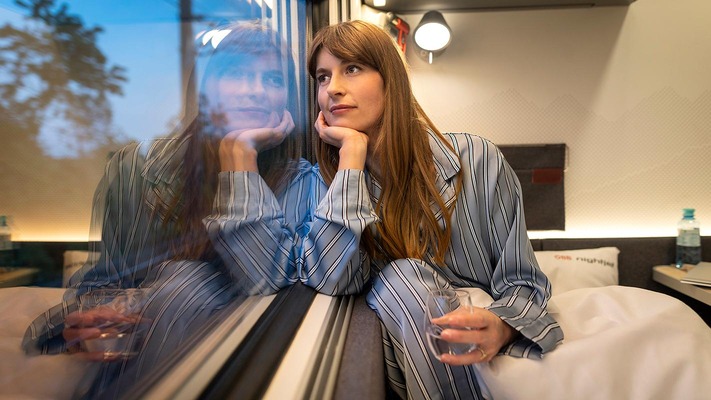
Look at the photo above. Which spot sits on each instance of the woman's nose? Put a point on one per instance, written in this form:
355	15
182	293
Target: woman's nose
336	86
256	86
248	85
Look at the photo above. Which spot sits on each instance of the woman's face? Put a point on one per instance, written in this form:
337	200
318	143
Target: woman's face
247	92
350	94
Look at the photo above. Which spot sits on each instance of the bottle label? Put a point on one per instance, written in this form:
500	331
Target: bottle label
689	237
5	241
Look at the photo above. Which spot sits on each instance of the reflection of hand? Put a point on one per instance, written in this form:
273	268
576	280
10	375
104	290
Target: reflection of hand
481	327
260	139
353	144
239	148
80	326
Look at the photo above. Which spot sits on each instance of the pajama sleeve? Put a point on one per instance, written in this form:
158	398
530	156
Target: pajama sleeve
266	250
247	227
521	291
333	262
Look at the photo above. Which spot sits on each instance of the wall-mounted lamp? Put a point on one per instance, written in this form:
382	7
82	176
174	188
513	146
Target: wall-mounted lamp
432	35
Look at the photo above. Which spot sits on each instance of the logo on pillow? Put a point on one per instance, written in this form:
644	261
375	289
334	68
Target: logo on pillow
575	269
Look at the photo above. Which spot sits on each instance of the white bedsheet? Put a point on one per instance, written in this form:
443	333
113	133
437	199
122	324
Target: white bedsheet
38	377
620	343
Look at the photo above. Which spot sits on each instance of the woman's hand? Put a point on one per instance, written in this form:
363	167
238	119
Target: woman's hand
239	149
80	326
485	329
353	144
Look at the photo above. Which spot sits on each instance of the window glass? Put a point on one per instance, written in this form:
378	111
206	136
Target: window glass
79	79
112	158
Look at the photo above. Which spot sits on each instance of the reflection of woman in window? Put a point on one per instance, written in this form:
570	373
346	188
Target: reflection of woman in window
448	209
205	217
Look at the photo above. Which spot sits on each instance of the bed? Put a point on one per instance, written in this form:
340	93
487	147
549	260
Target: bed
620	342
624	338
38	377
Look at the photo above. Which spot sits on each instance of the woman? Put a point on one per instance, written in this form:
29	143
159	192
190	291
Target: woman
448	213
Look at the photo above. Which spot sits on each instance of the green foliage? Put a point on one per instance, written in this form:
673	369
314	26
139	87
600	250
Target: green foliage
51	69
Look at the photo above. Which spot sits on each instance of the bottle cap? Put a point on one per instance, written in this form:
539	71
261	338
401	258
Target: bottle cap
689	212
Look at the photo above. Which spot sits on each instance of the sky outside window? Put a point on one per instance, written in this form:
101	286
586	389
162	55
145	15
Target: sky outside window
54	153
143	38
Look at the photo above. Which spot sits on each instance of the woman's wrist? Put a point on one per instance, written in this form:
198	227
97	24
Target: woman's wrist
238	157
510	334
352	153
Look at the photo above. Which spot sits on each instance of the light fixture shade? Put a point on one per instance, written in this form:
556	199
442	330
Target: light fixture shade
432	34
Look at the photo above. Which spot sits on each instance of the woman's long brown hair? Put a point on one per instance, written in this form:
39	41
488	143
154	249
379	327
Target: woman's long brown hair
408	226
277	166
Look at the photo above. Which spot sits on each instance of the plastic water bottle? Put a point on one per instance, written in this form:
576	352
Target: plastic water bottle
688	240
5	234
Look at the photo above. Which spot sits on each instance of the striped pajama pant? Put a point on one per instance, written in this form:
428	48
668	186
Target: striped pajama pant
398	297
185	295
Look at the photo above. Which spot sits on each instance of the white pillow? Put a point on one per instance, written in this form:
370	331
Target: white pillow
575	269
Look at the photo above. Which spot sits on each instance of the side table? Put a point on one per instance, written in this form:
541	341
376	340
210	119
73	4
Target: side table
17	276
671	277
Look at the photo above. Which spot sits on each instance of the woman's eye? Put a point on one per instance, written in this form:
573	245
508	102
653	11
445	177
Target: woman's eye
236	74
274	80
321	79
351	69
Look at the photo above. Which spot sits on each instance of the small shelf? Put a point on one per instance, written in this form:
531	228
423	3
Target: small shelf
671	277
13	276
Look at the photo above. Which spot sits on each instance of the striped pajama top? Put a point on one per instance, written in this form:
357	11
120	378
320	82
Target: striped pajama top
489	246
310	233
265	242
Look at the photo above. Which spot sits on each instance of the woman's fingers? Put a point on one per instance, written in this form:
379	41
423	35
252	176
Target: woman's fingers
320	123
260	139
327	133
76	335
338	136
486	345
287	123
478	355
96	316
467	317
477	326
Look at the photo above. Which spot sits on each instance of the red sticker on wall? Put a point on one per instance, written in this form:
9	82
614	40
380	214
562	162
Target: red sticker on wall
547	176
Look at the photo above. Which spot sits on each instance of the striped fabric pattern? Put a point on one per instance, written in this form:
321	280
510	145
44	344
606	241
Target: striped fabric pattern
128	216
266	242
185	298
129	211
489	250
309	235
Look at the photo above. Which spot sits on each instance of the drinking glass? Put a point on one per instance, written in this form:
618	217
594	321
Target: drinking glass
114	318
439	303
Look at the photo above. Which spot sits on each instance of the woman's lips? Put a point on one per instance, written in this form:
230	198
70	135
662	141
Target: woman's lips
246	117
338	109
250	110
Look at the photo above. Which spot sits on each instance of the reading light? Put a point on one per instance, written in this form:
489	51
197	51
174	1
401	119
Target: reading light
213	36
432	35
